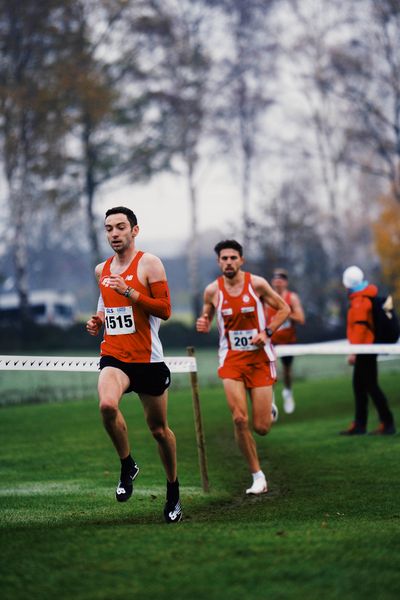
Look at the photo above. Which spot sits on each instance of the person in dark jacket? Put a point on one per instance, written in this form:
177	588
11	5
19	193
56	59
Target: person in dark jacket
360	330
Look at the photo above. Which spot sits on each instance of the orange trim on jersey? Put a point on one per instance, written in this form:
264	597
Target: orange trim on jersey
286	333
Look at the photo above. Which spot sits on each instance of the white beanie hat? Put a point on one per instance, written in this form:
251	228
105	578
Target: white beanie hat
352	277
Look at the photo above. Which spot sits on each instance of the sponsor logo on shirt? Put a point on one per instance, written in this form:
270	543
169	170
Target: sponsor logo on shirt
247	309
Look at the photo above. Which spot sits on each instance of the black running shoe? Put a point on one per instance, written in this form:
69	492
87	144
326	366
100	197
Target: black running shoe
354	429
173	512
384	430
125	485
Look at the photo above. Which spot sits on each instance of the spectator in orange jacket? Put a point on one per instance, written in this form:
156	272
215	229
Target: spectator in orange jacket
360	330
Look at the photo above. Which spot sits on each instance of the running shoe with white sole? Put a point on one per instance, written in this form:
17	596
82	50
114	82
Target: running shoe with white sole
288	401
173	512
259	487
125	485
274	412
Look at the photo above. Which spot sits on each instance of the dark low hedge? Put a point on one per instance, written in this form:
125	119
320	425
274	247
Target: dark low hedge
30	337
23	339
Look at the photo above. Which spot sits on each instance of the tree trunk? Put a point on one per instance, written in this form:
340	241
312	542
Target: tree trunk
18	205
89	195
246	166
246	169
193	248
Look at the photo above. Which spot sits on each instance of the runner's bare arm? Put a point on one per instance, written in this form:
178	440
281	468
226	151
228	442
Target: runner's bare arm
95	323
98	271
268	296
297	312
203	323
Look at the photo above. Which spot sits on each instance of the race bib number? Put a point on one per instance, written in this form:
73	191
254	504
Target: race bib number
119	320
241	340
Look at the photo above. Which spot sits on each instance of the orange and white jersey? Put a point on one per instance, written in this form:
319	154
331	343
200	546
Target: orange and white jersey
286	333
239	319
130	334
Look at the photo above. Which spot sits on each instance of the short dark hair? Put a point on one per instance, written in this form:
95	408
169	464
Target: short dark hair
228	244
125	211
280	273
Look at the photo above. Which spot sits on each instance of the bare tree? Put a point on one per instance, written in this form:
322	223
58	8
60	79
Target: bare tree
290	234
34	42
367	77
109	104
321	117
245	84
178	90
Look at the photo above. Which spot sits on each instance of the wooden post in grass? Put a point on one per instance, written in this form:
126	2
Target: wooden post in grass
201	446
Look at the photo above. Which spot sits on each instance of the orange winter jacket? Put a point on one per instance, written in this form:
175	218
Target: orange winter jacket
360	325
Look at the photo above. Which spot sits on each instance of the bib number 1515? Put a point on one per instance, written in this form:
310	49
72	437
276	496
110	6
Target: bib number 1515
119	320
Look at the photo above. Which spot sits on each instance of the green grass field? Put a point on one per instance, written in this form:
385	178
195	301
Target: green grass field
328	528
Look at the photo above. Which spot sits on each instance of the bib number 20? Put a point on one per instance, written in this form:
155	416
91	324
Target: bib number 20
241	340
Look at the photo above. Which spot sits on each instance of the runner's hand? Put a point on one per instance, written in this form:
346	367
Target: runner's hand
117	283
203	324
260	339
94	325
351	359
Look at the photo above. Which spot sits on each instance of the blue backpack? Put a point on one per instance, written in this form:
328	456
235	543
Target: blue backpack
386	321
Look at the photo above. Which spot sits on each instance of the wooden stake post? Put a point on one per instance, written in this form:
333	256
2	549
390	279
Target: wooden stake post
201	446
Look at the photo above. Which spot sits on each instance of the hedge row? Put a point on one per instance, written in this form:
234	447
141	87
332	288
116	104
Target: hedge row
22	339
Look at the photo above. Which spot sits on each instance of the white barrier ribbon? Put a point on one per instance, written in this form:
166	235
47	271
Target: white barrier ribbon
186	364
341	347
176	364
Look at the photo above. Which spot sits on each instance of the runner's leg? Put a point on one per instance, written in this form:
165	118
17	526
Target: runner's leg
236	397
155	410
261	400
111	385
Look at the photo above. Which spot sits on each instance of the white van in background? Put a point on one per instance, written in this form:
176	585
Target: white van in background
48	307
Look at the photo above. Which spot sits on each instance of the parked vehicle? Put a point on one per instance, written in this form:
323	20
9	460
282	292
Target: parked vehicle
47	307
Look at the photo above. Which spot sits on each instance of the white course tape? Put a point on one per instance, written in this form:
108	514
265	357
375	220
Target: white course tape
177	364
187	364
341	347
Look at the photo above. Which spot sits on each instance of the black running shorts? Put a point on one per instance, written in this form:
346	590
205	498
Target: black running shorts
287	360
145	378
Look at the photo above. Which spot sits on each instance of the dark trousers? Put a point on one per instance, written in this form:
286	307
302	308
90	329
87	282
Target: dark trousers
365	383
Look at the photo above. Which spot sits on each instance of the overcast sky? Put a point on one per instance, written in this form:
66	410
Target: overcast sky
163	212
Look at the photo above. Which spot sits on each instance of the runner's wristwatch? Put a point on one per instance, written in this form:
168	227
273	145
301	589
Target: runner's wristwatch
269	332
